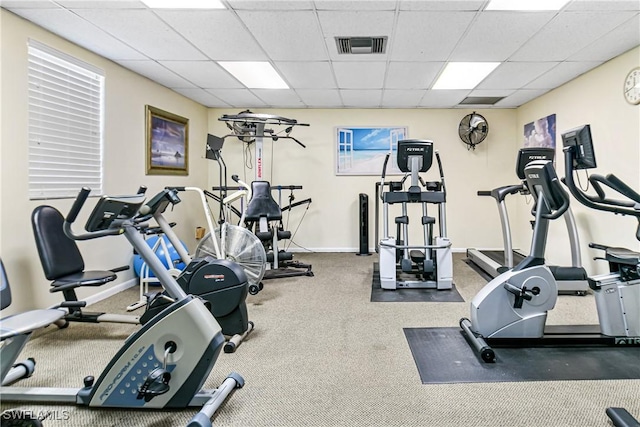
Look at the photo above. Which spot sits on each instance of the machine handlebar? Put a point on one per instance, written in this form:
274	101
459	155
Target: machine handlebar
77	204
444	189
631	206
384	173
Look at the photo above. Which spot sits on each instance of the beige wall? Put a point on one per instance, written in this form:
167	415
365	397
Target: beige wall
594	98
126	96
331	223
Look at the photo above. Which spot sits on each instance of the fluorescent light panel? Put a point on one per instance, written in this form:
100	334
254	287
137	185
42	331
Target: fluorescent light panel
464	75
184	4
526	5
255	75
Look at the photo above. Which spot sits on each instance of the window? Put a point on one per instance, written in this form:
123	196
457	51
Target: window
65	124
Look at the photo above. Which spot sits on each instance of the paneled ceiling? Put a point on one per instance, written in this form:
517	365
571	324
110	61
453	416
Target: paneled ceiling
538	51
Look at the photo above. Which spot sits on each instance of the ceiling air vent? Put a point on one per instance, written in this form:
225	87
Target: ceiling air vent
360	45
481	100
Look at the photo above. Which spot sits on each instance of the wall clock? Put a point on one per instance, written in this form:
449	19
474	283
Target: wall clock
632	86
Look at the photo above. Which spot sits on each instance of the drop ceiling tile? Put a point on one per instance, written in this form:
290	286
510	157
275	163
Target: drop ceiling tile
279	98
443	98
464	5
392	98
157	72
144	31
552	43
270	4
618	41
411	75
356	5
561	74
104	4
204	74
32	4
520	97
514	75
361	98
359	75
320	98
75	29
359	23
494	36
219	34
428	36
309	75
238	98
604	5
202	96
287	36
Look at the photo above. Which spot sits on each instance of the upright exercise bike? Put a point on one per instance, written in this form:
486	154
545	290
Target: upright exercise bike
159	366
404	264
512	308
570	279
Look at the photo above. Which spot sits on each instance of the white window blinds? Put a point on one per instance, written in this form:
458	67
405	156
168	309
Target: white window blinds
65	124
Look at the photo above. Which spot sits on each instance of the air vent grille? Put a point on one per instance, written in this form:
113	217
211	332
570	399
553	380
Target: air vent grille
361	45
481	100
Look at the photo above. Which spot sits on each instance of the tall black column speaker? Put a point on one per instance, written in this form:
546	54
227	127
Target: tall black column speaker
364	224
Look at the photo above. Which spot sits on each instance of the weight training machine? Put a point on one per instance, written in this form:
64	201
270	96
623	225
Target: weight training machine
404	264
263	214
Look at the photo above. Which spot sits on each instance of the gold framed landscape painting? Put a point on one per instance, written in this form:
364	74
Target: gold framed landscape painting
167	142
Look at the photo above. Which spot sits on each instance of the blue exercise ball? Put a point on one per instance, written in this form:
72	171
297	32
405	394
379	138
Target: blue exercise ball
176	262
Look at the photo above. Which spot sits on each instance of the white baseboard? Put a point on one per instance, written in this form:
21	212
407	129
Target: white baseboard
111	291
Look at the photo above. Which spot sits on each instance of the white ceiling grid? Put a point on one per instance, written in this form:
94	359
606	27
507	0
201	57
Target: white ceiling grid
538	51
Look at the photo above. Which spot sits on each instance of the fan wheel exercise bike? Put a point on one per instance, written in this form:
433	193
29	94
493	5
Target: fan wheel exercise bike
511	310
226	296
402	263
158	366
570	279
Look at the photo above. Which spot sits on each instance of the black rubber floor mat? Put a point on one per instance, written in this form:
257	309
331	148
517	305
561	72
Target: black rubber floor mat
410	295
442	355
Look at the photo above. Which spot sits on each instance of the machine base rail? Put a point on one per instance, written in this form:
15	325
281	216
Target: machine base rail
554	336
620	417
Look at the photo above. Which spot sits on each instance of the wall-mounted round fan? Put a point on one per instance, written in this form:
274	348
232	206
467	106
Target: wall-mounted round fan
473	129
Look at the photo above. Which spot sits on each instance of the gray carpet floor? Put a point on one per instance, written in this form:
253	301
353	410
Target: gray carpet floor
322	354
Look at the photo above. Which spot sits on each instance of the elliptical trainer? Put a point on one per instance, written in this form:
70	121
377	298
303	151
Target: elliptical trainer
403	264
512	308
158	366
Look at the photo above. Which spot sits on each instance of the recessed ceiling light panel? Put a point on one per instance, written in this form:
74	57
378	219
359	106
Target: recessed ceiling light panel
255	75
464	75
